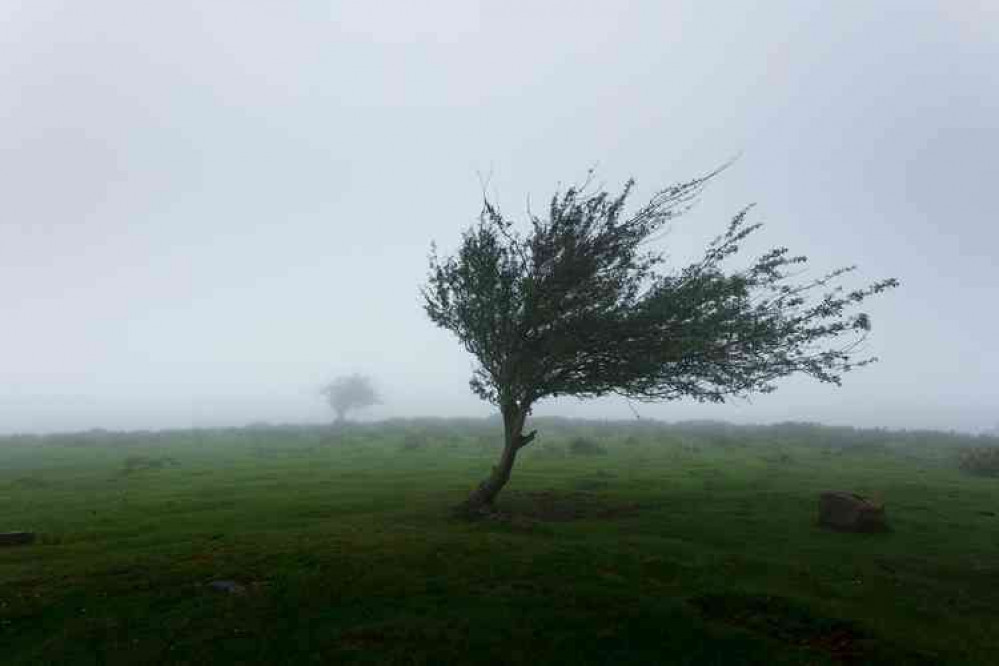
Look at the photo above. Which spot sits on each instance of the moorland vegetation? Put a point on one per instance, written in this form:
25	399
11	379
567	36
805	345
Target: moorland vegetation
689	543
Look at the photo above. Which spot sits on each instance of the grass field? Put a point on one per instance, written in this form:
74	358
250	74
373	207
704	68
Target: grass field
686	544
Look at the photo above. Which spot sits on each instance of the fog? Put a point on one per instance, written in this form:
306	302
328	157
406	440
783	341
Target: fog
209	209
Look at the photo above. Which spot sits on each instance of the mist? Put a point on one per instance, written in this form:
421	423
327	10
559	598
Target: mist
211	209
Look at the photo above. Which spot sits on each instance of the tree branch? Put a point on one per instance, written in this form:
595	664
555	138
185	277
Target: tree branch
526	439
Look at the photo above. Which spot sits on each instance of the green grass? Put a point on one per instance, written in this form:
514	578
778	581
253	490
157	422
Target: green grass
692	545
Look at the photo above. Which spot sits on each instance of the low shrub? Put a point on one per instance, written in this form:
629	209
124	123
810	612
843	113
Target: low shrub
582	446
981	460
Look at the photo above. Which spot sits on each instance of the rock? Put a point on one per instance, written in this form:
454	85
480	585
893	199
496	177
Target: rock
230	586
849	512
16	538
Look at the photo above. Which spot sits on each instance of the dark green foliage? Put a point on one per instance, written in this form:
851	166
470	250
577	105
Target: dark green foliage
581	446
579	307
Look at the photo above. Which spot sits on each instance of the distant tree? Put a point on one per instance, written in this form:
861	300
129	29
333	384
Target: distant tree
577	307
349	393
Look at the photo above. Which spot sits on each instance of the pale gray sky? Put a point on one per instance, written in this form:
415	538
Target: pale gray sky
210	208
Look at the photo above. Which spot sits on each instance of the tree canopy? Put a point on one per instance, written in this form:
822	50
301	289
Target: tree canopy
582	304
348	393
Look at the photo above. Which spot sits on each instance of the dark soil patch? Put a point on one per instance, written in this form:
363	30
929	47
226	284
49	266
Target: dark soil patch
559	507
793	623
16	539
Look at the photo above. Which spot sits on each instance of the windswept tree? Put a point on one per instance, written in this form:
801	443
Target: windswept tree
349	393
579	305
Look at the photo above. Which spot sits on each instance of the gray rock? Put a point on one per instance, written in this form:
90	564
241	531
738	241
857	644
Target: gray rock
16	538
850	512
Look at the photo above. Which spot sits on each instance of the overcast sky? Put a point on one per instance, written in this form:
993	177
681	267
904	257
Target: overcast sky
208	209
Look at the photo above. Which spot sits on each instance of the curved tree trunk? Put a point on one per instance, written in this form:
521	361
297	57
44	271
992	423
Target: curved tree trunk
480	501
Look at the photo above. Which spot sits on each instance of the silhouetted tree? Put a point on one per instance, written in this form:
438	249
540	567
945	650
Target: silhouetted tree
577	307
349	393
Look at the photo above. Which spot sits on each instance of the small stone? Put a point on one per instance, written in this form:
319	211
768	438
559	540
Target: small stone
230	586
16	538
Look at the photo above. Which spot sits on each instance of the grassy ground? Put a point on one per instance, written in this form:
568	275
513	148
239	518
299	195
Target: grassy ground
675	546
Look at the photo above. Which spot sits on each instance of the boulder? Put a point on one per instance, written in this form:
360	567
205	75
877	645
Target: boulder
849	512
16	538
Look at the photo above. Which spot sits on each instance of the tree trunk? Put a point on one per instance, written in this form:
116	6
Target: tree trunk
480	501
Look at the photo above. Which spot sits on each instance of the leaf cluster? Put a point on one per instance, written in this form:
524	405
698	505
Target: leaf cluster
579	306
